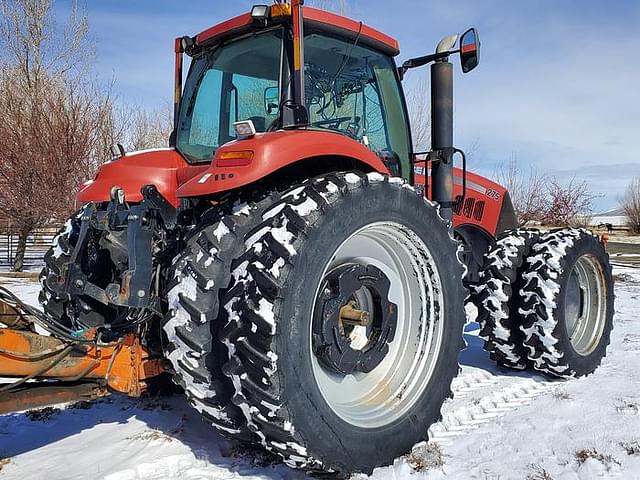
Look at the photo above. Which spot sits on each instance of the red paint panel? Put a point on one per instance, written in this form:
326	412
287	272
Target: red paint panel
235	23
161	168
271	152
345	23
311	14
480	189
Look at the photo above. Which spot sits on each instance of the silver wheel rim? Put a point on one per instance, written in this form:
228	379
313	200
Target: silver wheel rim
385	394
586	305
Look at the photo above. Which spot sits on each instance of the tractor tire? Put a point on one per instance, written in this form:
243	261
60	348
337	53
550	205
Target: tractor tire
78	312
567	303
324	396
497	299
193	321
59	253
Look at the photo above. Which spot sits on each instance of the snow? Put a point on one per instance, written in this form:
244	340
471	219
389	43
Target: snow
221	230
500	425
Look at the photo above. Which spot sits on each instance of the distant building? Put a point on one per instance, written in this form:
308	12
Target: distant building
615	217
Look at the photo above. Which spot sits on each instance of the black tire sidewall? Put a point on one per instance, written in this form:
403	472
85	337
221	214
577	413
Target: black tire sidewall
583	364
326	434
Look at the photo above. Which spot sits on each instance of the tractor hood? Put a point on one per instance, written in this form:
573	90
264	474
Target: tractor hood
165	168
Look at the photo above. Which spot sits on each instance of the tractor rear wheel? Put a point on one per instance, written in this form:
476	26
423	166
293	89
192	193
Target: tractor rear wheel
567	303
196	279
344	323
497	298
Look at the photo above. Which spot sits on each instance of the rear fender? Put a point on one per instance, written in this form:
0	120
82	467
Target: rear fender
272	152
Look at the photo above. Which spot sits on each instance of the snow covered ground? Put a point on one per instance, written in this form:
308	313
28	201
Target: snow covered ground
500	425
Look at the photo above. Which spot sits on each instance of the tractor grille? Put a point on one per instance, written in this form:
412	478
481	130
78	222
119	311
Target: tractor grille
470	208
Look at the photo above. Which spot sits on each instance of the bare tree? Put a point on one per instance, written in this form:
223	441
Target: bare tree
527	190
339	6
569	204
149	129
631	205
49	115
419	107
37	47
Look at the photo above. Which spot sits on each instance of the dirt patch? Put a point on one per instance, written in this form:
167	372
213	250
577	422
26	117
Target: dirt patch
427	456
42	415
81	405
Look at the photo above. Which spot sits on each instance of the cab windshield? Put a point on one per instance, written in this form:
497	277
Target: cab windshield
354	90
225	85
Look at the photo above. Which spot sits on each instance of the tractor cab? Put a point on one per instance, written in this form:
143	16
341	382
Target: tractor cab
241	84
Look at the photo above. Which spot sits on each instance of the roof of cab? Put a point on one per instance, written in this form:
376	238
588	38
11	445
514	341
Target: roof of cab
314	17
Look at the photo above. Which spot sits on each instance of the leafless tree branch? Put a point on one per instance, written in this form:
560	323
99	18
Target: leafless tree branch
631	205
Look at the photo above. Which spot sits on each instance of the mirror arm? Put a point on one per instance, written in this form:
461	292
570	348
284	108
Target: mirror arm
424	60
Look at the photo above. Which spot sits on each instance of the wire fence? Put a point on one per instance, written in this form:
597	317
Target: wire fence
38	243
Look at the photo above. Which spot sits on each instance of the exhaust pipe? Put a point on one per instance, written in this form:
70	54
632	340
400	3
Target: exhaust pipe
442	137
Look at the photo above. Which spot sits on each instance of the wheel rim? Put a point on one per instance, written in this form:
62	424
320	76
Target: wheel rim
585	305
380	397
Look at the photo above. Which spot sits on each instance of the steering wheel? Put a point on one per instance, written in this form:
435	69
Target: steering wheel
332	121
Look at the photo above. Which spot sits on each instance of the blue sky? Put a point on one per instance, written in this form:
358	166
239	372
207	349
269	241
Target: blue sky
557	84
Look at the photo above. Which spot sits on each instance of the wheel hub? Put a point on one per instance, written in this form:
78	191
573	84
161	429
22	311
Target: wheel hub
355	321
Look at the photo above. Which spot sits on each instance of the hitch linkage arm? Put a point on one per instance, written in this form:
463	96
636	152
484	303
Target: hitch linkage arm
140	222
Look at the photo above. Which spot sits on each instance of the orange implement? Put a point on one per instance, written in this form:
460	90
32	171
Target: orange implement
124	366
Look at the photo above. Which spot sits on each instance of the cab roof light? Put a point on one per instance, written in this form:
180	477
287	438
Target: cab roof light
260	14
234	159
244	129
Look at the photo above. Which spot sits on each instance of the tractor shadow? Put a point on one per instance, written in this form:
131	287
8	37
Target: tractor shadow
144	425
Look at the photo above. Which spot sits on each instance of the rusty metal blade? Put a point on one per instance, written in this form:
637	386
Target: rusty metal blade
39	395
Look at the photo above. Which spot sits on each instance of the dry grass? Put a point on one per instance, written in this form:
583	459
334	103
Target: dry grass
632	448
561	395
624	278
586	453
628	407
538	473
152	436
4	462
426	456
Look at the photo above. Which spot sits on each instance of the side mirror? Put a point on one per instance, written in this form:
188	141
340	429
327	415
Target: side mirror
271	100
469	50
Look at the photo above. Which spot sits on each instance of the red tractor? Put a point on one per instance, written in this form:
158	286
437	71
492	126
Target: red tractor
294	263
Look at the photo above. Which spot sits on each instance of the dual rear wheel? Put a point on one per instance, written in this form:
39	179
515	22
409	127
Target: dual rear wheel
546	301
338	326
